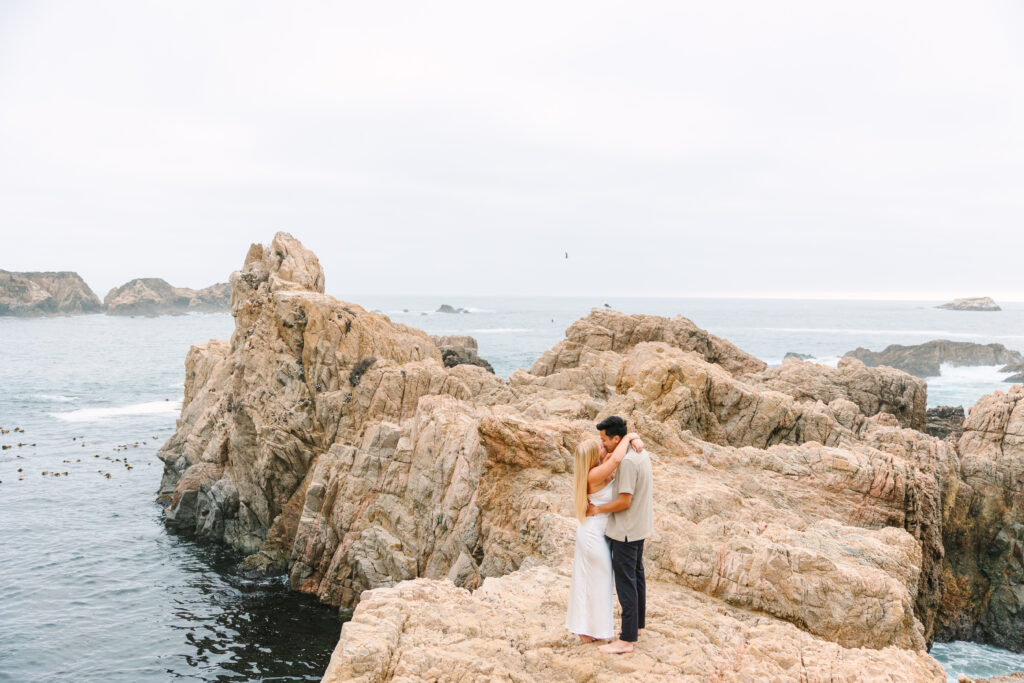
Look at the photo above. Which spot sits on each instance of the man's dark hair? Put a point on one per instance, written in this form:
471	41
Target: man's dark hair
613	426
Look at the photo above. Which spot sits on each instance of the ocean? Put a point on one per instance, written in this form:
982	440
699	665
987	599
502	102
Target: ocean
93	588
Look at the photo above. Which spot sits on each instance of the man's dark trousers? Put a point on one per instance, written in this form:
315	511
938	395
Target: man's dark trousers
630	585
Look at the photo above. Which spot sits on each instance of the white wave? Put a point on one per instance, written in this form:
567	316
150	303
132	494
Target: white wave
57	398
842	330
965	385
490	330
94	414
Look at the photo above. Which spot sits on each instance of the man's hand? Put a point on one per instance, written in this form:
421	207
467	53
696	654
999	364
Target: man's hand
591	509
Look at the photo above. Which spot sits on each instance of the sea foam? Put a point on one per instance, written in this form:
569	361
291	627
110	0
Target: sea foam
94	414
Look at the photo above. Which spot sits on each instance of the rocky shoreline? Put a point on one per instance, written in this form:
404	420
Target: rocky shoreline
808	528
35	294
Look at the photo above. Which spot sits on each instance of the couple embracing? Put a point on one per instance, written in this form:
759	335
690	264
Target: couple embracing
614	504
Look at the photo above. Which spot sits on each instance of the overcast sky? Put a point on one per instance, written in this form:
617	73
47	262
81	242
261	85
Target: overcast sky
860	149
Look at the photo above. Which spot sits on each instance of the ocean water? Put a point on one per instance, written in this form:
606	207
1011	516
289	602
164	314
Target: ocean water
93	588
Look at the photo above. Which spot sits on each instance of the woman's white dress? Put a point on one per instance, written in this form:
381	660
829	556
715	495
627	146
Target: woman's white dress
590	610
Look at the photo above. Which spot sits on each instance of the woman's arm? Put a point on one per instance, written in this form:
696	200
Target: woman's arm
602	471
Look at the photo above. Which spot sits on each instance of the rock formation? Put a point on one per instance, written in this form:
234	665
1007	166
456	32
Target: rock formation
153	296
1018	372
924	360
946	422
802	519
459	350
797	356
871	390
985	532
445	308
40	294
981	303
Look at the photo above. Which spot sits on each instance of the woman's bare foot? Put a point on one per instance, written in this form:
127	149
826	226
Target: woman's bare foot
587	639
616	647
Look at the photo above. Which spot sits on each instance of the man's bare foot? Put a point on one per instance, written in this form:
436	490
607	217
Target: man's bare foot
639	631
587	639
616	647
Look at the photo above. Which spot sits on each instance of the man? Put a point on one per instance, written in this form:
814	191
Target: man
631	521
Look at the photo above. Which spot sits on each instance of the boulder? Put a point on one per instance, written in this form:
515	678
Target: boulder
459	350
797	356
871	390
153	296
924	360
42	294
445	308
981	303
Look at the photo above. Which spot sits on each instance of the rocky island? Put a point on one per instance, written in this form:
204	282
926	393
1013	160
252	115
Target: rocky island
153	296
981	303
34	294
925	360
807	528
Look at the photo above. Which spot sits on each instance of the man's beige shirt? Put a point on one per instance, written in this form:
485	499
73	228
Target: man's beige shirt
633	476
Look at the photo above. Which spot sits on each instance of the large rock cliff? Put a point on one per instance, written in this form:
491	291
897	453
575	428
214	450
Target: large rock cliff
39	294
800	512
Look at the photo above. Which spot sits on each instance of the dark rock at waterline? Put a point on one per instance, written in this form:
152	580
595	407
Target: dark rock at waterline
33	294
925	360
445	308
797	356
945	421
459	350
1018	372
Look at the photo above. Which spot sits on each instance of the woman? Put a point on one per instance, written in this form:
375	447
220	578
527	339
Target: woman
590	614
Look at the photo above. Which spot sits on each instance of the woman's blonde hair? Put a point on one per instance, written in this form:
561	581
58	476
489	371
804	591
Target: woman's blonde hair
587	455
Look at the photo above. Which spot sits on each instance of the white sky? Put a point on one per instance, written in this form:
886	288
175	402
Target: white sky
863	149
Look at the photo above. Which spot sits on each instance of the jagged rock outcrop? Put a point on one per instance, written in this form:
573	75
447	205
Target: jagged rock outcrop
459	349
797	356
946	422
153	296
985	531
871	390
1018	372
924	360
41	294
604	330
794	513
980	303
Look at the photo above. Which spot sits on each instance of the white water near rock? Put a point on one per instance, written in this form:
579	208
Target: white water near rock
92	583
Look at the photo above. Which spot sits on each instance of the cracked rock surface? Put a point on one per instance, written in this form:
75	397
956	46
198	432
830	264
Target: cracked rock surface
802	520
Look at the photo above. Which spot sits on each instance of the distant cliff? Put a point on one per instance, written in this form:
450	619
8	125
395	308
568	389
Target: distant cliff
50	293
153	296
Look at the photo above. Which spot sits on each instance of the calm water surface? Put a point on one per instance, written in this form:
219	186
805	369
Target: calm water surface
93	588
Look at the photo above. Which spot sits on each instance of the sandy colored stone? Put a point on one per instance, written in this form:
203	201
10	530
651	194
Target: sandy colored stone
511	629
154	296
871	390
46	293
334	445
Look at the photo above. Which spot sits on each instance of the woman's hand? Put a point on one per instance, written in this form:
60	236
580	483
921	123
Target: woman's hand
637	444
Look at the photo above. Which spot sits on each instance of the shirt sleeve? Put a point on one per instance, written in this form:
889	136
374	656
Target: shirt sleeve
627	476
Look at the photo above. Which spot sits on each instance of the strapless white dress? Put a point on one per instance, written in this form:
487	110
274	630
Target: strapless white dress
591	610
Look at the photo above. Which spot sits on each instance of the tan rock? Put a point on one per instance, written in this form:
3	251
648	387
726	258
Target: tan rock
153	296
49	293
334	444
610	331
871	390
512	629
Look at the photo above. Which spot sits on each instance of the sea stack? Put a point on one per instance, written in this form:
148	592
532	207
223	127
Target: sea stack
981	303
806	526
153	296
34	294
